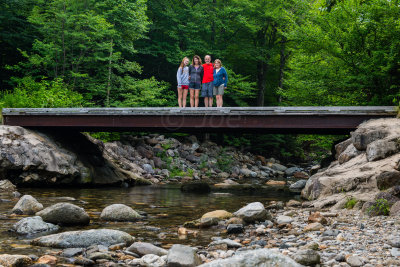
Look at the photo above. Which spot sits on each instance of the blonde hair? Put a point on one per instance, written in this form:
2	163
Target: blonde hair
183	63
218	61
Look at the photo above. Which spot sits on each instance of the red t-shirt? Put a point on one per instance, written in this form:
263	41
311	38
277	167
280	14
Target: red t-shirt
208	75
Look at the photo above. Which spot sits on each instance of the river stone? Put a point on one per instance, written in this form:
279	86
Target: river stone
381	149
313	227
208	222
64	213
220	214
27	205
71	252
307	257
147	168
253	212
182	256
230	243
278	167
234	228
7	187
290	171
149	260
282	219
32	225
83	239
143	248
119	212
248	173
354	261
254	258
297	186
14	260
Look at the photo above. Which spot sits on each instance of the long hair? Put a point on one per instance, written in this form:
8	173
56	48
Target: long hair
218	61
183	64
198	58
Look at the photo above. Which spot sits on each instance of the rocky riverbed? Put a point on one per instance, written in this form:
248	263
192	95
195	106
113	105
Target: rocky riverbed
349	214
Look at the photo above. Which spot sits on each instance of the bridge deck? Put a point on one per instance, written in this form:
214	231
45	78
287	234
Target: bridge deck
245	119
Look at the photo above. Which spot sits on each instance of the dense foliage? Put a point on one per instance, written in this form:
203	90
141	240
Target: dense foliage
126	52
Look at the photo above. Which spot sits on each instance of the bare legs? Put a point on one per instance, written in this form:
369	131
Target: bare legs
208	102
219	101
194	98
182	94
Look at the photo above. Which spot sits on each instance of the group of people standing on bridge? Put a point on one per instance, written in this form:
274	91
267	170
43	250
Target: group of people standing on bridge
209	78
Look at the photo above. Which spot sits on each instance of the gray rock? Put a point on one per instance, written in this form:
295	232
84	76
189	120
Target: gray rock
235	228
27	205
290	171
362	137
71	252
193	158
208	222
14	260
354	261
143	248
297	186
278	167
119	212
33	225
149	260
254	258
64	213
395	252
340	257
307	257
253	212
394	242
159	163
282	219
182	256
395	209
348	154
381	149
230	243
248	173
7	187
339	148
330	232
386	180
147	168
84	239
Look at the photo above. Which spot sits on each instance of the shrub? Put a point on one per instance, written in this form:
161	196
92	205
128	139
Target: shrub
43	94
351	202
381	207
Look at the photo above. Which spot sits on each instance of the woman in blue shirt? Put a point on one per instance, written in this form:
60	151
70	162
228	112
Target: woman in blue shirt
220	81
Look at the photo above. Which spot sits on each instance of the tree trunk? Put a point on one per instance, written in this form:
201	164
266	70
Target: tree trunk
109	75
262	68
283	59
63	42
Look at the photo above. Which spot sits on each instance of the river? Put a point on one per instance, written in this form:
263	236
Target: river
167	208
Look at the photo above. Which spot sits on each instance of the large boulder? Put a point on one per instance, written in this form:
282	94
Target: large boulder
182	256
253	212
33	225
27	205
15	260
83	239
349	153
65	214
119	212
143	248
364	175
52	158
254	258
381	149
6	186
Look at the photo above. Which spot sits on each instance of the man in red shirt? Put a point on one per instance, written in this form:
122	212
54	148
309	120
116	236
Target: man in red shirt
208	78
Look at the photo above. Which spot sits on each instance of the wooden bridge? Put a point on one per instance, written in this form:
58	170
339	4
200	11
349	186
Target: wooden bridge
325	120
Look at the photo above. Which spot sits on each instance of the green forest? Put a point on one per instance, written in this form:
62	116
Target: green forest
125	53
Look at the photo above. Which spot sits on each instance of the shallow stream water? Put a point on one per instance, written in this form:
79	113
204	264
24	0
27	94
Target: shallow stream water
167	209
